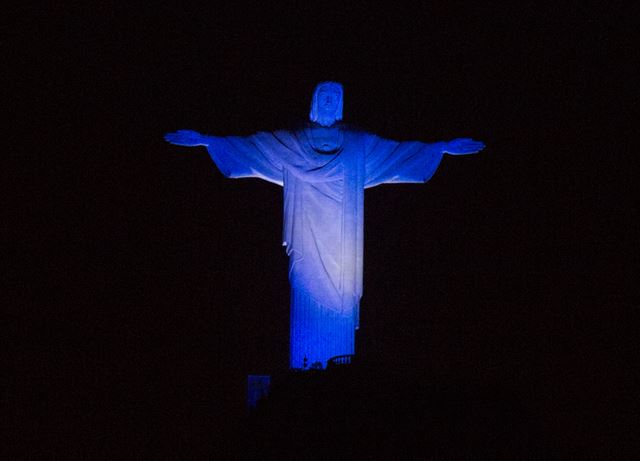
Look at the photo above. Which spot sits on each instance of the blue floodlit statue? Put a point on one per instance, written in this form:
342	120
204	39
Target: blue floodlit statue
324	169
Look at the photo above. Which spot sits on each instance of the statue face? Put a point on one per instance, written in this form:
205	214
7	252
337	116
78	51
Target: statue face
326	104
328	99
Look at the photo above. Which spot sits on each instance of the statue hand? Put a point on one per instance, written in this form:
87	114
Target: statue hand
188	138
463	146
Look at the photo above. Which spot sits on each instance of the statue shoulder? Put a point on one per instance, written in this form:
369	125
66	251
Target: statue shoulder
285	137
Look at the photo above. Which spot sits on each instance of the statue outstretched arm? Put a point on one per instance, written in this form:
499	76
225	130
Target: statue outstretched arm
462	146
389	161
254	156
187	138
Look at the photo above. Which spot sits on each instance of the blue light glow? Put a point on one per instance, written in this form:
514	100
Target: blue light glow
324	169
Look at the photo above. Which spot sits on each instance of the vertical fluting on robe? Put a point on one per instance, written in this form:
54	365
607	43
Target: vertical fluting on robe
323	204
317	332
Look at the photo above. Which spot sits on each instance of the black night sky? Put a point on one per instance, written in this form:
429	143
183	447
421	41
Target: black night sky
147	286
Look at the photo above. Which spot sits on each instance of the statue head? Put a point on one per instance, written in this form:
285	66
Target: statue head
326	105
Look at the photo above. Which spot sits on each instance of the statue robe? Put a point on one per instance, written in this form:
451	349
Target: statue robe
323	220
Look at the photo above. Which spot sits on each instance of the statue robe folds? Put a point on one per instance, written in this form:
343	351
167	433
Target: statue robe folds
323	220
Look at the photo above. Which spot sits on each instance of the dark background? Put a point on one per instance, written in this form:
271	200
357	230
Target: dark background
148	285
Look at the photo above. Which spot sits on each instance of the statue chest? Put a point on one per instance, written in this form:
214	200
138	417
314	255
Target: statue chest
326	140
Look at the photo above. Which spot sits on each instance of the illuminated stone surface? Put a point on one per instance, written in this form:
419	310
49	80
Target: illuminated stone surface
324	169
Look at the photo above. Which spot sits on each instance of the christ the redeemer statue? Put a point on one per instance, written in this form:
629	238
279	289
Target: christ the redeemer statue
324	169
